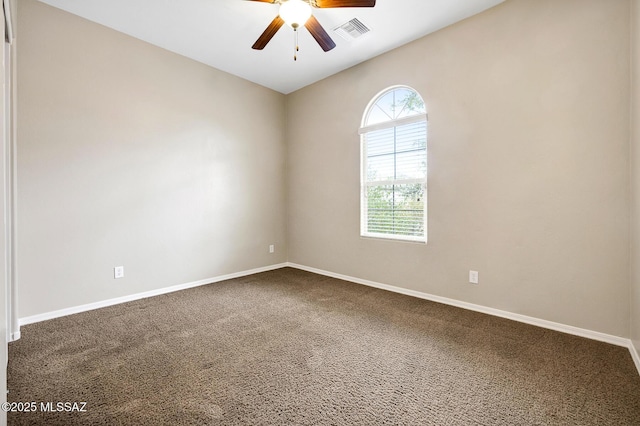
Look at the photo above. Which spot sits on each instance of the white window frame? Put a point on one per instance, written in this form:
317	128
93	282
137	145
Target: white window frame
365	184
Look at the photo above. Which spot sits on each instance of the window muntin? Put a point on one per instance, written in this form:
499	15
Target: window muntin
394	166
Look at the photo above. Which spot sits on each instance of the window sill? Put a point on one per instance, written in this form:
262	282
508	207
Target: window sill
397	238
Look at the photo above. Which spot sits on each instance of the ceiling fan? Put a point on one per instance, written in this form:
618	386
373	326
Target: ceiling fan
296	13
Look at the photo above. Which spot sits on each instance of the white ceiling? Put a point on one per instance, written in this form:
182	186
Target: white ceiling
220	33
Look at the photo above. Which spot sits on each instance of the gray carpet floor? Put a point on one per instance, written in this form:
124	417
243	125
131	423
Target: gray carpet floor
291	347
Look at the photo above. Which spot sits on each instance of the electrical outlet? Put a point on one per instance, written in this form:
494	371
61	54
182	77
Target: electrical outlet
118	272
473	277
272	248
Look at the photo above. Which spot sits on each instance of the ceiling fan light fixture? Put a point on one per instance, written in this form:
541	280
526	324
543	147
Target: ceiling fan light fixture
295	13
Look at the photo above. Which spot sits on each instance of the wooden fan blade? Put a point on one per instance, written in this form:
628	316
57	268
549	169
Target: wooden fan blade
345	3
319	34
265	1
268	34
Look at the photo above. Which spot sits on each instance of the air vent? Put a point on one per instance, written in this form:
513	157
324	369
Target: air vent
351	30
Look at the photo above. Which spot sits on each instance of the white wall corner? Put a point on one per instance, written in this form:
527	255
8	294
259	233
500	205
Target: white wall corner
634	146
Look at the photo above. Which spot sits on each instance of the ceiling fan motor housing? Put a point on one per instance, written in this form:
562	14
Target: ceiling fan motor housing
295	13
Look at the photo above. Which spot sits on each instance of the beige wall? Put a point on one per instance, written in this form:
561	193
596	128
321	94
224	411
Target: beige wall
131	155
528	165
528	171
635	176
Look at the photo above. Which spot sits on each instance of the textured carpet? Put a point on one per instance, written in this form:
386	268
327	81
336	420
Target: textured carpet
290	347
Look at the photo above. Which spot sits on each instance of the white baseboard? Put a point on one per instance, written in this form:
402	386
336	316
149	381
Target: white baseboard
594	335
634	355
90	306
615	340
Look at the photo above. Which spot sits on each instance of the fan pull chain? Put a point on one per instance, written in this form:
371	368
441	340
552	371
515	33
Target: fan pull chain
295	42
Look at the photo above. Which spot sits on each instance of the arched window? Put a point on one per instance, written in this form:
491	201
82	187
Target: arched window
394	166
